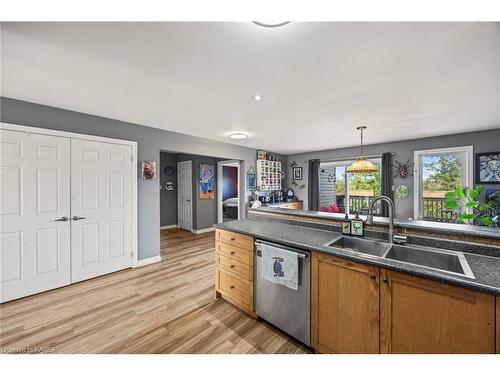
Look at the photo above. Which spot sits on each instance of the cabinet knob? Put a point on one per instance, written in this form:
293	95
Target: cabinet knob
232	238
231	287
373	276
232	253
232	265
385	280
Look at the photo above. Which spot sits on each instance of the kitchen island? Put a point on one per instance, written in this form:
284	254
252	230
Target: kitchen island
369	304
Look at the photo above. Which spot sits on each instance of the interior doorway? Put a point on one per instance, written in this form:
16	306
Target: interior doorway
228	199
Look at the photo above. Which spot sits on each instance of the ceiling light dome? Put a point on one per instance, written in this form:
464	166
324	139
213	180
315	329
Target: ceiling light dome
271	23
238	136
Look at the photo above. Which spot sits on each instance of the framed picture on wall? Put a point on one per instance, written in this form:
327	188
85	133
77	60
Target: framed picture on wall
148	170
207	181
297	173
488	168
251	179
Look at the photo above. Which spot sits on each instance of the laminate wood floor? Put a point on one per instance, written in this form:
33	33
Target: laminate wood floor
167	307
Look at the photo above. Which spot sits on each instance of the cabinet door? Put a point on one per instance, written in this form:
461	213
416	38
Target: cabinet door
345	306
424	316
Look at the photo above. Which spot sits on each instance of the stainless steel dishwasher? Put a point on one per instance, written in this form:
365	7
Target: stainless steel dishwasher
285	308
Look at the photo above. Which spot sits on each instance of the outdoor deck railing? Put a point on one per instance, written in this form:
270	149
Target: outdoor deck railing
434	208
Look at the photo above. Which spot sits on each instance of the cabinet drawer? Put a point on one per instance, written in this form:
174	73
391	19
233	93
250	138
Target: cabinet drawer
235	253
236	287
234	266
235	239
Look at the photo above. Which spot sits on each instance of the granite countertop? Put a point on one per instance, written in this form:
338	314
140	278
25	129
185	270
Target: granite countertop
486	269
401	223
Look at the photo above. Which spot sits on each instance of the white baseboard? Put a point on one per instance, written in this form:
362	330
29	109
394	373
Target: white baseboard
200	231
148	261
169	226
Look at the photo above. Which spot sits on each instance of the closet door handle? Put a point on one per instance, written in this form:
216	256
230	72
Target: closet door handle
64	218
75	218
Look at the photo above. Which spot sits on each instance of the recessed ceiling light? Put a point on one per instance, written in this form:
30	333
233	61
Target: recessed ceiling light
271	23
257	97
238	135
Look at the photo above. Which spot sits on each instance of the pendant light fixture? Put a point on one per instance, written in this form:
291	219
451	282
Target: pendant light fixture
362	164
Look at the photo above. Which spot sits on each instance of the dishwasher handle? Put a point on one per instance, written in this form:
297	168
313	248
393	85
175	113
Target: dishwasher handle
259	252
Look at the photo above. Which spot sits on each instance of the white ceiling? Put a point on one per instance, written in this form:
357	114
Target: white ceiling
318	80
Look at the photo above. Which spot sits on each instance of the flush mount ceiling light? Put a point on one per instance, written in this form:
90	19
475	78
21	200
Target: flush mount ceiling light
257	97
271	24
238	136
362	164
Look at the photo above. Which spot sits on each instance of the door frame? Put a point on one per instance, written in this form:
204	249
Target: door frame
71	135
190	163
220	164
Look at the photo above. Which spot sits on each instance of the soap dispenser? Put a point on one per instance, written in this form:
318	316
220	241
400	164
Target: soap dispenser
346	225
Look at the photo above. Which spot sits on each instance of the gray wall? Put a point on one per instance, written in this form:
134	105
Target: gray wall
150	142
168	199
482	141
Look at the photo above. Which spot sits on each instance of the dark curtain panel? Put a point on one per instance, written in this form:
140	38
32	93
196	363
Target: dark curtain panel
387	181
313	187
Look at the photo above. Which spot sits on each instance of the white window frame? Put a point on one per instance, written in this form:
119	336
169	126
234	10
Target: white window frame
468	178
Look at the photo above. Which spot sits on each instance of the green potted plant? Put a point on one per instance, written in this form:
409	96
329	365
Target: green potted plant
465	202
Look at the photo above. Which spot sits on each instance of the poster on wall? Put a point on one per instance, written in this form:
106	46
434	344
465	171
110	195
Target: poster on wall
148	170
488	168
207	181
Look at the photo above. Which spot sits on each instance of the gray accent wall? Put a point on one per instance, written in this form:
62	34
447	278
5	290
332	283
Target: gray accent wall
482	141
150	142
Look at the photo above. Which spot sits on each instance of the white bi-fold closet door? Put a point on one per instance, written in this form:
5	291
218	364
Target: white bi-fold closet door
66	211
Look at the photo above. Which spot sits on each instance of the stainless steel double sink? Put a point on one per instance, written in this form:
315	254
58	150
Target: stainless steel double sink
452	262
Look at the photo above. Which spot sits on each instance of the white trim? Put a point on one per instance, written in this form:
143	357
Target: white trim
169	226
148	261
189	162
64	134
200	231
71	135
231	163
469	175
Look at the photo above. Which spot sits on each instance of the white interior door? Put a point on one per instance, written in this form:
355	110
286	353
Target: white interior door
34	212
184	196
101	208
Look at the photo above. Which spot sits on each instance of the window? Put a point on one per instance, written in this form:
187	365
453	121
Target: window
351	192
436	173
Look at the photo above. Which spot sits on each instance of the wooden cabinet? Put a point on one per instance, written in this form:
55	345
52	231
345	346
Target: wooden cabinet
423	316
293	205
234	268
345	306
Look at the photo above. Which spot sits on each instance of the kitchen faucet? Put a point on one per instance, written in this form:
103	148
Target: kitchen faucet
369	217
